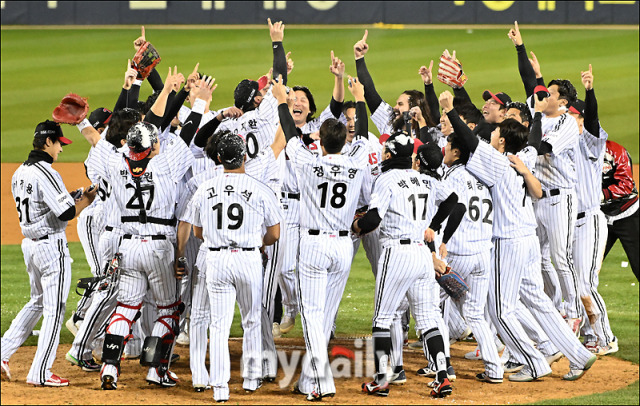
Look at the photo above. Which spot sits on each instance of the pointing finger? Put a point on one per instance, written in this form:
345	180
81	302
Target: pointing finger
364	37
195	69
142	30
516	24
431	65
590	69
128	63
332	56
269	21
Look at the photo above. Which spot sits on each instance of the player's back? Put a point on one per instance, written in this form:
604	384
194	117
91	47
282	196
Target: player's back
513	211
406	202
232	208
589	163
474	233
329	187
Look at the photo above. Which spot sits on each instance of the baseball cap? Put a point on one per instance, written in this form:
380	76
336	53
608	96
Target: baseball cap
500	98
246	90
430	156
577	107
399	144
540	92
52	130
140	139
100	117
231	149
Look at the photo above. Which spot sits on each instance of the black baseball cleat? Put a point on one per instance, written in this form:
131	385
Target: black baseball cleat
109	383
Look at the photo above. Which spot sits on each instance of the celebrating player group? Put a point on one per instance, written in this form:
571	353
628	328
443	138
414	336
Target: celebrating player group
475	221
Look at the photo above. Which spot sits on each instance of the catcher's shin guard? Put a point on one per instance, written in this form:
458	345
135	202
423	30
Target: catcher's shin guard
112	349
151	352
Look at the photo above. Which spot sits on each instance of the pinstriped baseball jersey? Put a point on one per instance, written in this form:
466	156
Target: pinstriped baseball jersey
330	184
589	162
184	112
158	184
513	211
382	118
186	194
370	176
231	209
314	125
258	127
473	235
406	202
265	169
557	170
40	197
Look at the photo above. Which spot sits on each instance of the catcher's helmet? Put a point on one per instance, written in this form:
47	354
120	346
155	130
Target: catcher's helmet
140	140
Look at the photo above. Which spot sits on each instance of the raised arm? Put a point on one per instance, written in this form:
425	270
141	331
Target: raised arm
533	184
429	92
337	99
156	113
276	31
527	74
371	96
203	95
459	127
591	122
286	121
362	121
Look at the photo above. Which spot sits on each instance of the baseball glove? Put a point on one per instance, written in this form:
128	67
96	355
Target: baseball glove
453	284
71	110
145	60
450	71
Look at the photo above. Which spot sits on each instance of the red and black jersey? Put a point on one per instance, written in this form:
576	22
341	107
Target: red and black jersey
618	188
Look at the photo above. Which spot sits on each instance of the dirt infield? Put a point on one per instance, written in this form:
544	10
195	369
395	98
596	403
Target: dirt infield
85	387
74	177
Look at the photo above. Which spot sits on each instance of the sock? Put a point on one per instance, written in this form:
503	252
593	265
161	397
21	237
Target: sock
434	346
381	352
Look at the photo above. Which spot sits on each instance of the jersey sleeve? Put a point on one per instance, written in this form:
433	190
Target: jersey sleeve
595	145
268	108
272	211
54	193
563	135
184	199
359	152
382	118
487	164
193	214
298	153
99	157
381	197
528	156
179	158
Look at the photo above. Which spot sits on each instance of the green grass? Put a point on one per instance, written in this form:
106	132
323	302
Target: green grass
40	66
356	308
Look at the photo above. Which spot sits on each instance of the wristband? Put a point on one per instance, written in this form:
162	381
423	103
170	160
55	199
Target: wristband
83	124
198	106
138	82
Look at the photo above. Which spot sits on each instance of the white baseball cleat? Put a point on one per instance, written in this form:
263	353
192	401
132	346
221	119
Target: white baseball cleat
287	324
277	333
5	370
474	355
183	339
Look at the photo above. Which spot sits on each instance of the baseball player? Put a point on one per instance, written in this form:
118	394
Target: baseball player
228	212
590	235
556	211
44	207
516	253
468	252
402	203
104	300
138	181
389	119
330	185
302	109
89	228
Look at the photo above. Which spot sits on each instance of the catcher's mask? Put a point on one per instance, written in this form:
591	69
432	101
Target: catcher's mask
52	130
140	140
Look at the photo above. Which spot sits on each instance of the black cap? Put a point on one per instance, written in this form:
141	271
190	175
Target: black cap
244	94
52	130
100	117
430	156
577	107
231	149
399	144
500	98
